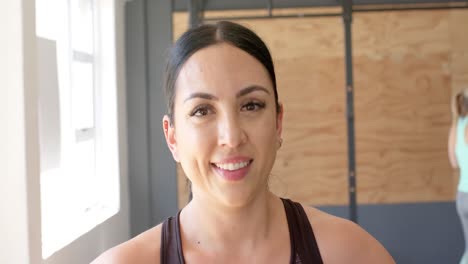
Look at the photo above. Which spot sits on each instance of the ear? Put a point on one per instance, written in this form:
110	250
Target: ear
169	134
279	121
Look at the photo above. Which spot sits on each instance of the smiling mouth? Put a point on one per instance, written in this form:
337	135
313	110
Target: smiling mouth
232	166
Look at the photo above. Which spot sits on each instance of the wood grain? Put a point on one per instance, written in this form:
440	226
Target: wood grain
401	129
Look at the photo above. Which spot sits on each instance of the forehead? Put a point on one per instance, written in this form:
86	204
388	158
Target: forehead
221	69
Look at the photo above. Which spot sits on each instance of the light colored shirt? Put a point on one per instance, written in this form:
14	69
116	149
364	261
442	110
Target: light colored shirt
461	152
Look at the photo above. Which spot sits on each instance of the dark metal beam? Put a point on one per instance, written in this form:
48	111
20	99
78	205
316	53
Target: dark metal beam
196	8
181	5
406	8
270	7
403	2
272	16
347	20
356	9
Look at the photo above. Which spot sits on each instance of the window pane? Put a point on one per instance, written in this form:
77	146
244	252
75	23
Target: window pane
66	195
84	176
82	25
47	17
81	188
82	95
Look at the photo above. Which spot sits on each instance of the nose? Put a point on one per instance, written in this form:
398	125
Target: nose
231	132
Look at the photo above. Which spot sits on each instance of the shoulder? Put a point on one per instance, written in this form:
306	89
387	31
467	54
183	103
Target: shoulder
343	241
144	248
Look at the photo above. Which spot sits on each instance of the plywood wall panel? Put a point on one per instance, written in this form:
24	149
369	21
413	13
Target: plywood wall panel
311	162
401	129
400	33
402	85
458	24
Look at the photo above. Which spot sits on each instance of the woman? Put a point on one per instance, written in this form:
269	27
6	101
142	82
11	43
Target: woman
458	155
224	127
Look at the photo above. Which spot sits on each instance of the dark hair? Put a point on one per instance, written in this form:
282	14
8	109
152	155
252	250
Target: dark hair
203	36
461	101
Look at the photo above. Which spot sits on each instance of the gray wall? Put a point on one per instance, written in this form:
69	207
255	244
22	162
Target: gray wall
152	171
428	233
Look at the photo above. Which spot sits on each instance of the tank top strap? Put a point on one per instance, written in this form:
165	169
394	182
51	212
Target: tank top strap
171	246
304	248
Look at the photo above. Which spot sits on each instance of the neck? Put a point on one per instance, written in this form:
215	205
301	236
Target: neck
218	227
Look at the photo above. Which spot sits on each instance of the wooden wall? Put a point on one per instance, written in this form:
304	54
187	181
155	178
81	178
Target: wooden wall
407	65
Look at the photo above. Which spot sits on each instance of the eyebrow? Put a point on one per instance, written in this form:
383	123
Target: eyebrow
250	89
243	92
201	95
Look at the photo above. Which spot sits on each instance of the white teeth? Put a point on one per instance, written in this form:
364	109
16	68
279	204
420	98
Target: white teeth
232	166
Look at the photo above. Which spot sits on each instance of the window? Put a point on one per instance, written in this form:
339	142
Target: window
77	122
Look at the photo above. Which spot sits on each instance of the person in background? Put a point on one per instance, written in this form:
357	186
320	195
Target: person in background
458	155
223	125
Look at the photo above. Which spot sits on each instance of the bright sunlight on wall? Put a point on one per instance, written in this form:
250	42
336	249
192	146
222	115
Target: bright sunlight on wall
77	121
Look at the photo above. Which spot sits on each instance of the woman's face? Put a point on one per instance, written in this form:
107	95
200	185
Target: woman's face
226	129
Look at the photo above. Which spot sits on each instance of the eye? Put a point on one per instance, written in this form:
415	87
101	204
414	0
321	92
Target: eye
253	106
201	111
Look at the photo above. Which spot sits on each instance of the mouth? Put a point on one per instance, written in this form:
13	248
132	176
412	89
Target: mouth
233	171
232	166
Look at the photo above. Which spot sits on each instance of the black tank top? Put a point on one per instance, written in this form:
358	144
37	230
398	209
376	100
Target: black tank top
304	249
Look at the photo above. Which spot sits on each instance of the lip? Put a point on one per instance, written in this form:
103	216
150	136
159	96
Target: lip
233	160
235	175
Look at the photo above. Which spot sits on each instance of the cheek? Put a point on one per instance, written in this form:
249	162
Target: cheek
194	146
264	133
194	141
